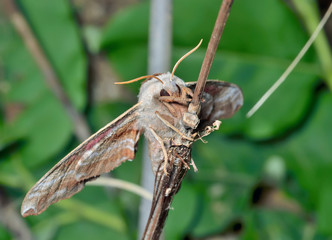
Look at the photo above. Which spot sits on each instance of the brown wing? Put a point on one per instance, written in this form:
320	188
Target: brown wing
102	152
220	100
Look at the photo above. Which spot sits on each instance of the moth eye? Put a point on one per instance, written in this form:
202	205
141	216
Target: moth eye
163	92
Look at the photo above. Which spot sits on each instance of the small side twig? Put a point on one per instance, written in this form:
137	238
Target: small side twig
218	29
131	187
81	128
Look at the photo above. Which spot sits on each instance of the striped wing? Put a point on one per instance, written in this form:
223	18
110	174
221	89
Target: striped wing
102	152
221	100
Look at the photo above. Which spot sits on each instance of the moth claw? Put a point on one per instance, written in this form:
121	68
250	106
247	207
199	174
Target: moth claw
183	161
165	170
194	165
201	138
190	120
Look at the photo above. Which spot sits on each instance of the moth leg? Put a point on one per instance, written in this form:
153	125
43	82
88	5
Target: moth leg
162	148
180	100
185	164
170	108
201	138
208	130
184	99
168	124
188	91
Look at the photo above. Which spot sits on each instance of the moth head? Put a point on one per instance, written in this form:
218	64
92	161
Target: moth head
152	88
167	84
172	86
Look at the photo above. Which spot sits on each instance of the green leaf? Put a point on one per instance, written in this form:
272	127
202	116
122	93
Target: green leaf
253	54
86	230
41	123
23	79
309	157
269	224
4	234
184	208
44	127
54	26
324	212
120	28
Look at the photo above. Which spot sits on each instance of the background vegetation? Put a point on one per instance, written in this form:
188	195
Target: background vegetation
267	177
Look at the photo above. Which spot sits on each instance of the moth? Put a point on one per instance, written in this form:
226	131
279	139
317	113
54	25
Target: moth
161	114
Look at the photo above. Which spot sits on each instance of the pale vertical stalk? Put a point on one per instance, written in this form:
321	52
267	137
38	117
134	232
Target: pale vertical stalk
160	39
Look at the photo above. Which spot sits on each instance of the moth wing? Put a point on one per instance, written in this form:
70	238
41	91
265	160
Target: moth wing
221	100
102	152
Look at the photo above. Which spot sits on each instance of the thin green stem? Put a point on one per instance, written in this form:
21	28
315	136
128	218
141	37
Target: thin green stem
307	9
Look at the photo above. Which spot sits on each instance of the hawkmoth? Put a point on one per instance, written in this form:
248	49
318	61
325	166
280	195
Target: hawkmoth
160	113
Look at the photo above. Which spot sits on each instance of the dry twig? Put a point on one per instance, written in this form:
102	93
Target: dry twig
218	29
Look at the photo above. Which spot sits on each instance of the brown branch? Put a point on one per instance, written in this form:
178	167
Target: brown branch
218	29
166	186
81	128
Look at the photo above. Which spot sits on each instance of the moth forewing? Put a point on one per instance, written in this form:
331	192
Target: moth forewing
163	101
102	152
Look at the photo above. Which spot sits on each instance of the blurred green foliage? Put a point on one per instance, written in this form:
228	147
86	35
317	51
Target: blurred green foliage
286	144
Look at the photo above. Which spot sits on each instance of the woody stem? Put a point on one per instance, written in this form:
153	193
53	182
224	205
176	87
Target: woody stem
224	10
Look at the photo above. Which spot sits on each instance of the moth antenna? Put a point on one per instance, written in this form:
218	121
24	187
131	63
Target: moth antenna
140	78
184	56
